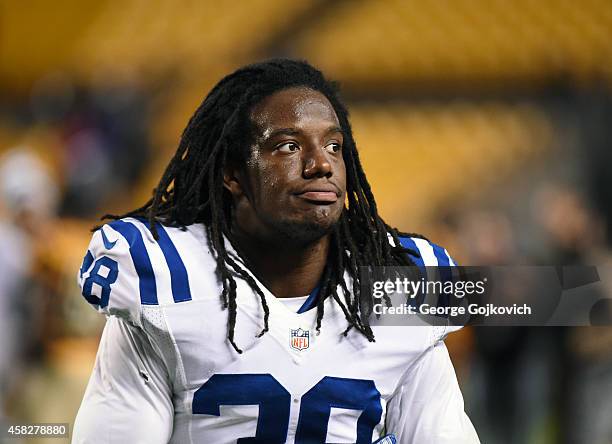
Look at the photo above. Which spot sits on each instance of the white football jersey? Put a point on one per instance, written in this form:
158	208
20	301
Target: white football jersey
165	371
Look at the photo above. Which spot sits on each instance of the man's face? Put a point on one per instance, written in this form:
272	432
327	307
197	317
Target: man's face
293	186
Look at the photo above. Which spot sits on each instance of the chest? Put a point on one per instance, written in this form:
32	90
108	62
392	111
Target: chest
290	385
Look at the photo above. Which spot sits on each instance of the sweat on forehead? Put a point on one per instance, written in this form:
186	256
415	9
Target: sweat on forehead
290	107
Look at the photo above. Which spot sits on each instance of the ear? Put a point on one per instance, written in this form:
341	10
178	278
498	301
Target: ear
231	181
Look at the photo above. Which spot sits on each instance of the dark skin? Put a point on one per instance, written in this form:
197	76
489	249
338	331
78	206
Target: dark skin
291	192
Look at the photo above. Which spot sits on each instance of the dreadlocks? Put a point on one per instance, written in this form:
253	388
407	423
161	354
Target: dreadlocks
218	134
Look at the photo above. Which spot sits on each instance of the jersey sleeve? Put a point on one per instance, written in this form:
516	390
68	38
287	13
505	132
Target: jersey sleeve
427	406
128	398
109	277
425	253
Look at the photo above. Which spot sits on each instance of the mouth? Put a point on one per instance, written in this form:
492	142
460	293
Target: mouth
323	195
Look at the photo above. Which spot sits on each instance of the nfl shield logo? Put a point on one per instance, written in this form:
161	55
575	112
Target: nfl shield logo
300	339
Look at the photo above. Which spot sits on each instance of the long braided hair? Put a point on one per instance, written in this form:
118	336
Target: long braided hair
219	133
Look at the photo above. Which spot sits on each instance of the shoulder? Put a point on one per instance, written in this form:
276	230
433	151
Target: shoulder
125	268
423	252
111	266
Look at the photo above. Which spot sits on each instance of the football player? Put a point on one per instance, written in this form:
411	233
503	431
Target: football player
232	296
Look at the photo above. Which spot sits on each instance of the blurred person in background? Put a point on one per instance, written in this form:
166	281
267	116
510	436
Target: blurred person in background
541	384
486	236
575	234
28	199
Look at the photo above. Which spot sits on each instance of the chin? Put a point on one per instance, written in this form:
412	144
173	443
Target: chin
306	231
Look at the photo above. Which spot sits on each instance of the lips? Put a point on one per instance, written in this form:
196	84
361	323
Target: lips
322	194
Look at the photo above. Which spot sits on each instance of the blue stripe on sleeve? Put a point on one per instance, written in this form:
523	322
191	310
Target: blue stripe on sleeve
407	242
446	274
178	273
140	257
440	255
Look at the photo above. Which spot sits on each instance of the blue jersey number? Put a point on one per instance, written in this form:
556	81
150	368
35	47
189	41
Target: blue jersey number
95	277
274	403
352	394
264	390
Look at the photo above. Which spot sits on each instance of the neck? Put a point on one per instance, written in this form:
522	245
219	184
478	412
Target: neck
287	270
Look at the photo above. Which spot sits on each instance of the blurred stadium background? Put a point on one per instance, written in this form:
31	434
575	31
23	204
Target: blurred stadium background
485	125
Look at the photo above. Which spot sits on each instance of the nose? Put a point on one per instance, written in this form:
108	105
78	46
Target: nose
316	163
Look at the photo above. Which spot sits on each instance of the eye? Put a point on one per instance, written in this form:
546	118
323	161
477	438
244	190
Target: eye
288	147
333	147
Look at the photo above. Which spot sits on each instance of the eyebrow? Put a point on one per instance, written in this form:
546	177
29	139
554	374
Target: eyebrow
294	132
334	129
283	132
